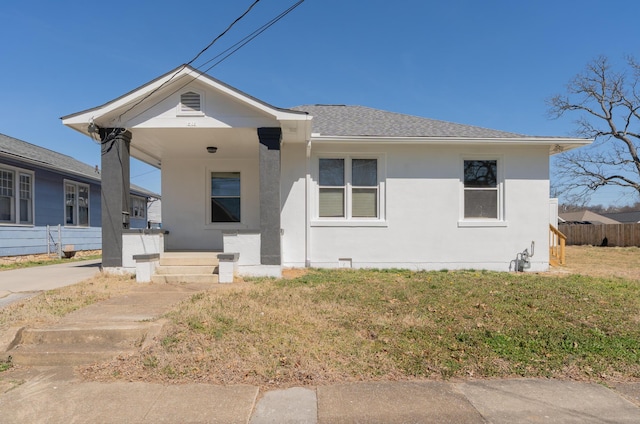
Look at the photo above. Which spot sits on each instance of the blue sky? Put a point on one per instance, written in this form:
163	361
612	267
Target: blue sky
487	63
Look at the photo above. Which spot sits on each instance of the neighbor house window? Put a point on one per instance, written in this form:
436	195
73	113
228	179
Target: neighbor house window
481	189
348	188
76	201
225	197
16	196
138	207
26	202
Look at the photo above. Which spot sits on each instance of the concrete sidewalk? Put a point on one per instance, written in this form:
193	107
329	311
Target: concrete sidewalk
55	396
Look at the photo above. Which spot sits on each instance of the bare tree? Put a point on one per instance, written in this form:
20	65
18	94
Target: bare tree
607	103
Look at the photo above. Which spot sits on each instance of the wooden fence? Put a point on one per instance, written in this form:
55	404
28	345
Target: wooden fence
594	234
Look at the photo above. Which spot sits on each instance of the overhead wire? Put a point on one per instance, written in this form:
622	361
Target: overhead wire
230	50
238	19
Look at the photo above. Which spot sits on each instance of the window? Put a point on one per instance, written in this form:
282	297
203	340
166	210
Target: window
348	188
225	197
7	196
138	207
190	103
76	201
26	203
16	196
481	189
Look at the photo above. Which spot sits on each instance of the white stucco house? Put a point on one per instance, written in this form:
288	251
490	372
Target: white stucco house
322	185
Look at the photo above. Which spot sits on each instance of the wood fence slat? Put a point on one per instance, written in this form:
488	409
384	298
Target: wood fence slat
621	235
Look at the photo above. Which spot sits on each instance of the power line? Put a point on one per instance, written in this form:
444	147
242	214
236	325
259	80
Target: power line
192	60
234	48
246	40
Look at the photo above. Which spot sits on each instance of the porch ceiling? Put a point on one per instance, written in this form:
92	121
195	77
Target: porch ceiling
151	145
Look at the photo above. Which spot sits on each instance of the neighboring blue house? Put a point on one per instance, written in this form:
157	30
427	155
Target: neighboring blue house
48	200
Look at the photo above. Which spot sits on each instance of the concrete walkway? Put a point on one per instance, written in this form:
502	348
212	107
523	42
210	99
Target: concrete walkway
17	284
57	395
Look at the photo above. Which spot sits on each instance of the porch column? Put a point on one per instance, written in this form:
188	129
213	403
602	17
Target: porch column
270	196
115	192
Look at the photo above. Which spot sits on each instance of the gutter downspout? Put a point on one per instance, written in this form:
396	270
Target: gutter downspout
307	218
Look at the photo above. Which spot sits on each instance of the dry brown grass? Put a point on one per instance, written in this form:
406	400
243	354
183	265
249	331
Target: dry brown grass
316	327
50	306
623	262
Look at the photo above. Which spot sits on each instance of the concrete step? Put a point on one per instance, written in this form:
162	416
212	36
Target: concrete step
192	258
196	269
185	278
99	335
63	355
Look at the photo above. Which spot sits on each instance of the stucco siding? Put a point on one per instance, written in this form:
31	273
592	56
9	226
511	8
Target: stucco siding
186	200
292	196
424	226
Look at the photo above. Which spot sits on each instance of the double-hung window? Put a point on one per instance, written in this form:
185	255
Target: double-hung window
225	197
348	188
481	189
16	196
138	208
76	202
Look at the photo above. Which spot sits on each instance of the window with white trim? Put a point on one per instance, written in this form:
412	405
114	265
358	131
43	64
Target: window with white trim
138	208
76	204
16	196
349	188
225	197
482	186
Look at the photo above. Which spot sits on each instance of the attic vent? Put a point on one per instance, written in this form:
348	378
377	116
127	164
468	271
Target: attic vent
190	102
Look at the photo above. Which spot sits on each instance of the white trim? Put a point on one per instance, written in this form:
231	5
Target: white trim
16	195
77	185
181	112
348	221
107	115
500	221
482	223
451	140
225	226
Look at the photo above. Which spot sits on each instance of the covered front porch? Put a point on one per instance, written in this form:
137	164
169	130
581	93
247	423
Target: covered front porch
219	154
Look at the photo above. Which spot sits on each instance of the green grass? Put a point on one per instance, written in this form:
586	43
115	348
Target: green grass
338	325
29	264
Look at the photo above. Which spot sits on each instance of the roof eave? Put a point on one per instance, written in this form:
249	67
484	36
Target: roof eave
80	120
557	144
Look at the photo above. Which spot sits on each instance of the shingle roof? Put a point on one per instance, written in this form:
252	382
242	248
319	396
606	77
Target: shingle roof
633	216
21	150
587	216
342	120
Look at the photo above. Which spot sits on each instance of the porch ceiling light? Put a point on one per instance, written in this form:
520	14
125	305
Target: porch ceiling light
212	149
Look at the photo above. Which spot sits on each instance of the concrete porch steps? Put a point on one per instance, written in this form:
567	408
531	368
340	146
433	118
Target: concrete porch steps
187	267
185	278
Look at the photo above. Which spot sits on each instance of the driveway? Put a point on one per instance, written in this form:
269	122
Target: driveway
17	284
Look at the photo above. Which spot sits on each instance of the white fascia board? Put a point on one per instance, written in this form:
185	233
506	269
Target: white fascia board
108	111
564	143
99	113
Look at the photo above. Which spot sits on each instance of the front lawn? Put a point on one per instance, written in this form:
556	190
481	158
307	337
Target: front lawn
337	325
